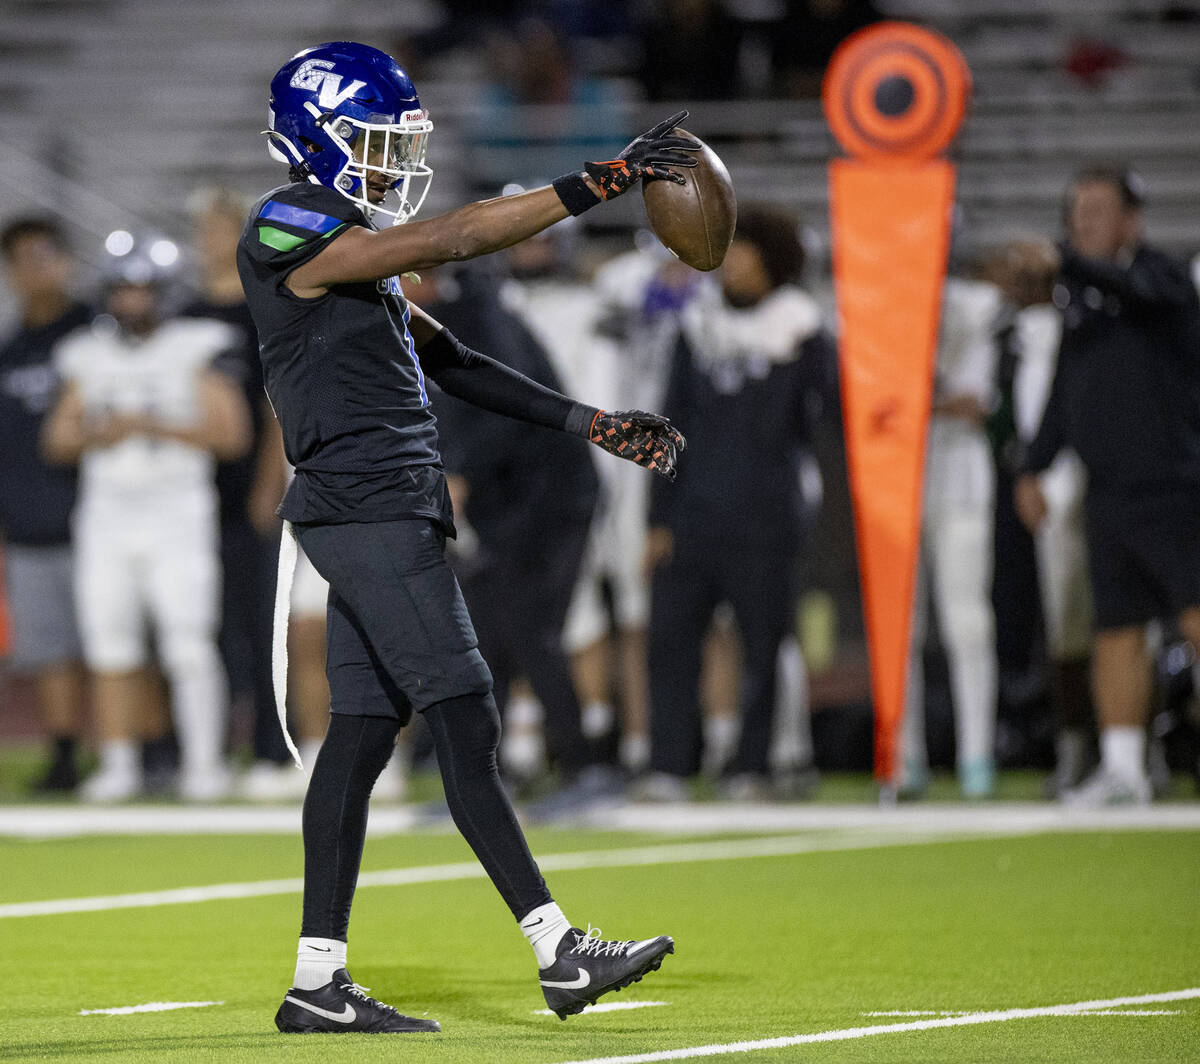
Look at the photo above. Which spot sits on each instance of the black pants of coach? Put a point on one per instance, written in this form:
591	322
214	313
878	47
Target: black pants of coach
519	605
702	574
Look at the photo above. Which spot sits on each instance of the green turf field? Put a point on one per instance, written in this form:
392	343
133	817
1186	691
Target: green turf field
767	947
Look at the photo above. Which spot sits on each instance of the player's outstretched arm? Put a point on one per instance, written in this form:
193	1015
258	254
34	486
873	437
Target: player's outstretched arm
359	254
647	439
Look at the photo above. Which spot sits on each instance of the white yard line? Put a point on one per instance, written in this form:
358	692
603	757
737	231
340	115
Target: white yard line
850	1033
735	849
698	818
850	828
151	1006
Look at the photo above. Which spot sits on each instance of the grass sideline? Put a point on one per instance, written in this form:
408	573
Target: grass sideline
767	947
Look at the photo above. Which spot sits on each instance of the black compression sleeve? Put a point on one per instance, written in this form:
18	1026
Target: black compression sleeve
486	383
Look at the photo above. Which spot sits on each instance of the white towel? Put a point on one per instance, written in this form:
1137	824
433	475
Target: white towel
279	652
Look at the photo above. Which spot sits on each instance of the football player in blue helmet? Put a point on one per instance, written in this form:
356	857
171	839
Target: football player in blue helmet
345	360
347	116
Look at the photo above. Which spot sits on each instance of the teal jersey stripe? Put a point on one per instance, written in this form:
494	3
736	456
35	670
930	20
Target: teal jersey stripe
278	239
281	241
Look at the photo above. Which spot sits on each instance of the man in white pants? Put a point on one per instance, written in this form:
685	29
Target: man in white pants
145	414
956	543
1028	271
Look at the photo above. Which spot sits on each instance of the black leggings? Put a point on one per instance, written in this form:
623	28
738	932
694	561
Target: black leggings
466	731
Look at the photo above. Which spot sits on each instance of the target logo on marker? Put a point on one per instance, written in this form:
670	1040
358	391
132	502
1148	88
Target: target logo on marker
896	92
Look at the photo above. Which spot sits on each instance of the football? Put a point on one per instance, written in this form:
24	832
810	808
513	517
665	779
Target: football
695	220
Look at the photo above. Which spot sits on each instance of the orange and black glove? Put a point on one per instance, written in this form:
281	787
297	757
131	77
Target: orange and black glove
649	157
647	439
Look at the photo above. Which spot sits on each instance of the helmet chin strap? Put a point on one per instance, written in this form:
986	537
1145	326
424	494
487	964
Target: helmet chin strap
291	155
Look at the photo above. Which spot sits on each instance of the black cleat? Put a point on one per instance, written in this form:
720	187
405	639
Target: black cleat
343	1005
587	967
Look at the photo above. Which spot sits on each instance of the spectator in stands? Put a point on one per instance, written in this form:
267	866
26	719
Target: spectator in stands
541	108
250	486
810	35
1126	397
751	370
35	498
144	415
517	495
690	52
955	567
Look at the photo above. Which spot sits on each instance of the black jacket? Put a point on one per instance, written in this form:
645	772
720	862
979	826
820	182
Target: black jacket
524	479
1126	391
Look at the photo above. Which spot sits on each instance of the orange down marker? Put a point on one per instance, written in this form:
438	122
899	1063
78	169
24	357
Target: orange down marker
894	95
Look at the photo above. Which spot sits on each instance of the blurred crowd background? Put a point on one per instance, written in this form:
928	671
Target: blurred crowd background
682	638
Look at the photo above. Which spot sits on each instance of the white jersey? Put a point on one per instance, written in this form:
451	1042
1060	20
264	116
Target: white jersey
563	316
959	463
643	354
1038	331
158	375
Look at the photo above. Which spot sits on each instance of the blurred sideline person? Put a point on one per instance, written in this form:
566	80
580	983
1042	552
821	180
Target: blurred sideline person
751	370
249	537
562	310
955	566
347	360
1026	273
144	414
1126	398
36	499
308	689
640	294
518	488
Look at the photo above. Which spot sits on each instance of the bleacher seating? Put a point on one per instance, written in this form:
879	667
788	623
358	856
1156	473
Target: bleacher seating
112	110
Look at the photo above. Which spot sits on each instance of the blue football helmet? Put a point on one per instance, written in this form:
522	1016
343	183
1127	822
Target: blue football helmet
346	116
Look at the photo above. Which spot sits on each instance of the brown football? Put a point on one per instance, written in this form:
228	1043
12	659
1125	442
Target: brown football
694	220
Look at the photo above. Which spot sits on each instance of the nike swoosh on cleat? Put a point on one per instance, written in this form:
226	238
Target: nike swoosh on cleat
578	983
639	945
347	1015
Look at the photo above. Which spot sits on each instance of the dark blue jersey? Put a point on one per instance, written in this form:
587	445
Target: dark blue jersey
35	499
341	372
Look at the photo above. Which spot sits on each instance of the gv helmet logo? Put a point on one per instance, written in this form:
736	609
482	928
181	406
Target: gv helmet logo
316	75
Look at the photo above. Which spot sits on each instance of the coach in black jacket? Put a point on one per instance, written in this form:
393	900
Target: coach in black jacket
1126	397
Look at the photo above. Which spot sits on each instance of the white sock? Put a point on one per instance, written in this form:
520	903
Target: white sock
635	752
120	757
545	927
316	961
597	719
1123	752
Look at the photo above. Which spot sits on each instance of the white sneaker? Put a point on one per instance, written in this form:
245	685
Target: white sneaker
745	787
1104	788
207	785
659	787
110	785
